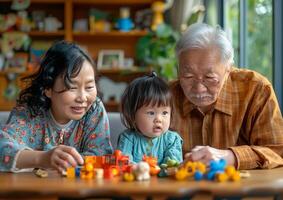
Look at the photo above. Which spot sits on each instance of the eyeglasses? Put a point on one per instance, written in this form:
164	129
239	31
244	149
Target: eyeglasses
207	82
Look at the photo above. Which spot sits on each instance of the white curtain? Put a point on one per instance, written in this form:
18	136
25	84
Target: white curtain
181	11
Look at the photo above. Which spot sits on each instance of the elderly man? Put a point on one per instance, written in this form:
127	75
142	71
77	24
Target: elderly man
221	111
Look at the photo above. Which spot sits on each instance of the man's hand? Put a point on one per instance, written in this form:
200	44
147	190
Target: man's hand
205	154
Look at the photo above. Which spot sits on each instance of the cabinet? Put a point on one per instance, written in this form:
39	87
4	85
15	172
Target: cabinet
67	12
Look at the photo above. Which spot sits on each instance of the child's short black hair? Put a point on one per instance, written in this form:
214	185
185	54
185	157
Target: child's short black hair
62	59
146	90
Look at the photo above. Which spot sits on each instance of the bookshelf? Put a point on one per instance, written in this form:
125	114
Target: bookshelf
67	11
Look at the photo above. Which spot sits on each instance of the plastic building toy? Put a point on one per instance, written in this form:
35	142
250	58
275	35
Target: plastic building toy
216	167
106	166
71	172
244	174
125	23
129	177
98	21
142	171
189	170
181	174
152	161
40	173
98	173
169	168
218	171
198	176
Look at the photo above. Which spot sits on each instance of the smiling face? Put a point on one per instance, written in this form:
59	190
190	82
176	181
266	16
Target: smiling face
202	75
73	103
152	121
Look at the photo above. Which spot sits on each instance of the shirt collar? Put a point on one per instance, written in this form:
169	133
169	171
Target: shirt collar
224	100
187	107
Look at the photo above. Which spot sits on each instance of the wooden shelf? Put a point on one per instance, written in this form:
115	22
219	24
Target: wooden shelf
111	2
44	33
133	70
136	33
26	73
104	2
41	33
48	1
38	1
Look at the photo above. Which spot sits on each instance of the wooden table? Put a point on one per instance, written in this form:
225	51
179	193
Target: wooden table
261	183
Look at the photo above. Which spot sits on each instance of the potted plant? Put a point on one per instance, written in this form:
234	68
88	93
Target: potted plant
157	50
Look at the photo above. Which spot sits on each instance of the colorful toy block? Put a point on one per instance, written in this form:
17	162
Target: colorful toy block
217	171
110	166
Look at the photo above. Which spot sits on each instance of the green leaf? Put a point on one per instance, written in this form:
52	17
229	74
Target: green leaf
163	31
157	49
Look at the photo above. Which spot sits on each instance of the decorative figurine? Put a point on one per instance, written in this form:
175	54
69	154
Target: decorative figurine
20	4
158	7
169	168
141	171
153	164
125	23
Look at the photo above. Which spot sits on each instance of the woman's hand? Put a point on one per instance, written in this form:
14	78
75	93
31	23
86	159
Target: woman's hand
205	154
61	157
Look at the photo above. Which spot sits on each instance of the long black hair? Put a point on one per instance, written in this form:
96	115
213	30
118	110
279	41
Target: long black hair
61	59
143	91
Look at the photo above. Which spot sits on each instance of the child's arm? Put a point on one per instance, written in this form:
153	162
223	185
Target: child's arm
174	147
126	144
96	132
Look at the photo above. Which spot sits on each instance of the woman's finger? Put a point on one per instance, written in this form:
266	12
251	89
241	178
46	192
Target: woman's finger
74	153
61	163
68	158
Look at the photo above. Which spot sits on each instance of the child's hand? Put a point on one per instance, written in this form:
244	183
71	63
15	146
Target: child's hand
62	157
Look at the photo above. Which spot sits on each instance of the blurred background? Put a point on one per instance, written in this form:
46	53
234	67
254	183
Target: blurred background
129	38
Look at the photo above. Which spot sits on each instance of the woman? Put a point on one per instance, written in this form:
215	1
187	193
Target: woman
58	118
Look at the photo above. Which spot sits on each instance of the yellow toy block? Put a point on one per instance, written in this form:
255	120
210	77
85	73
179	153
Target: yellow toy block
129	177
230	170
86	175
88	167
181	174
71	172
221	177
236	176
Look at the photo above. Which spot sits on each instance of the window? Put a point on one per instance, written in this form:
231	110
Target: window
257	33
259	37
232	25
252	26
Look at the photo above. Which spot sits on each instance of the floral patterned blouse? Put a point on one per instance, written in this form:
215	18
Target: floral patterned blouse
89	135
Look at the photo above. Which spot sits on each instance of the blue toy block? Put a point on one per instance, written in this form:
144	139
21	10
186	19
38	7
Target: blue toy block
217	165
198	176
210	175
78	171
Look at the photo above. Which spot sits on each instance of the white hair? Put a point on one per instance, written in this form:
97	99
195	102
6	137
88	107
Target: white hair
203	36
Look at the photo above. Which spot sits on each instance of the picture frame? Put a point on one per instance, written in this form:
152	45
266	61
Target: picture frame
17	63
110	59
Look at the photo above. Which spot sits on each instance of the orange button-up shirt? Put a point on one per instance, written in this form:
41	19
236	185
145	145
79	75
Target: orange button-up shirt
246	119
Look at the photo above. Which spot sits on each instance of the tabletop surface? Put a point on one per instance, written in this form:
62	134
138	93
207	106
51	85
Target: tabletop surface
259	182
